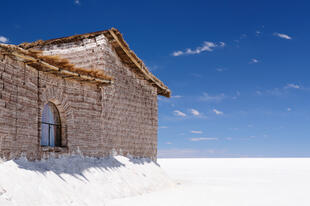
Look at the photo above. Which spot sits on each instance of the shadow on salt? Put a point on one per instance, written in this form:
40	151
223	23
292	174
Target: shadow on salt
77	165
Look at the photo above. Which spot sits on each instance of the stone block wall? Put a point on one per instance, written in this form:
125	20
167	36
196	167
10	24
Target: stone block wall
96	120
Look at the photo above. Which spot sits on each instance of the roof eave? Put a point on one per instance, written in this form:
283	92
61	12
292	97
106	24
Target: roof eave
22	55
118	38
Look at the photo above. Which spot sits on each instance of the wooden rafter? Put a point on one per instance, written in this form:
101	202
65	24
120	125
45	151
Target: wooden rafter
139	64
37	63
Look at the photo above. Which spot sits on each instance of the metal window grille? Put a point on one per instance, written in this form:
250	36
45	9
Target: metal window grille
50	126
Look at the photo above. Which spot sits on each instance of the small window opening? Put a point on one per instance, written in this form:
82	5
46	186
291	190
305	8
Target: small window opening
51	126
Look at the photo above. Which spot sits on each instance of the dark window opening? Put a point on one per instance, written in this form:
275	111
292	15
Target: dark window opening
50	126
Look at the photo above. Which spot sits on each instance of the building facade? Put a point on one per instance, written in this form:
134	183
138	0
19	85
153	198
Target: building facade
86	94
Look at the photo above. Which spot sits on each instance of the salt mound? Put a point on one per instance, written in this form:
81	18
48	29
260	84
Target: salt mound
78	180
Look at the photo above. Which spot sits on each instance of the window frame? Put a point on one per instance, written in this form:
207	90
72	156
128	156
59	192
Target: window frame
55	124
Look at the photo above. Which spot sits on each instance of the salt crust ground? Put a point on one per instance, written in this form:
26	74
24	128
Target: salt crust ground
122	181
78	181
231	182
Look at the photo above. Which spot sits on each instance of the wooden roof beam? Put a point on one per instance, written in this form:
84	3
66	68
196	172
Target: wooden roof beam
164	91
30	60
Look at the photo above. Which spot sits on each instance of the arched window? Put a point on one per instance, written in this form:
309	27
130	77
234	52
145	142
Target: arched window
51	126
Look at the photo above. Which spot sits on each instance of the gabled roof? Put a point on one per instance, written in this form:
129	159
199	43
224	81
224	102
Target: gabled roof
122	49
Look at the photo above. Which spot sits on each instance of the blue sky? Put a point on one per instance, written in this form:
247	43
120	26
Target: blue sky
238	70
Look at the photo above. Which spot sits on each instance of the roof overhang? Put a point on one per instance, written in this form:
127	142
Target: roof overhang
38	62
123	50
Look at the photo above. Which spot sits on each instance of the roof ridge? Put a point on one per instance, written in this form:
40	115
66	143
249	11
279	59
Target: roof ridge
28	45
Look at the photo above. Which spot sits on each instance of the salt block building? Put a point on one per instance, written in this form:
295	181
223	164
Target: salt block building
87	94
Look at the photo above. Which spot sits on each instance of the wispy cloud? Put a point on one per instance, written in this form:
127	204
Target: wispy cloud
169	100
176	96
222	44
292	86
168	143
163	99
218	112
190	152
206	46
275	92
237	95
4	39
162	127
220	69
254	61
282	90
195	112
209	98
243	36
289	109
179	113
77	2
198	139
197	75
196	132
283	36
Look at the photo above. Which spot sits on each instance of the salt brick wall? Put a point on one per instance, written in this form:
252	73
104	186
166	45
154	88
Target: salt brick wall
97	120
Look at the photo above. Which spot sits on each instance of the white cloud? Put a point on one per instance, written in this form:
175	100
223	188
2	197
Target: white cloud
221	69
281	91
243	36
289	109
196	132
77	2
176	97
184	152
275	92
228	138
179	113
209	98
163	127
293	86
163	99
222	44
217	112
197	139
177	53
237	95
254	61
3	39
206	46
194	112
283	36
189	152
168	143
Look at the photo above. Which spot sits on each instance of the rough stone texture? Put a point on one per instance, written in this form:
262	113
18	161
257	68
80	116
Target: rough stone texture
96	120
